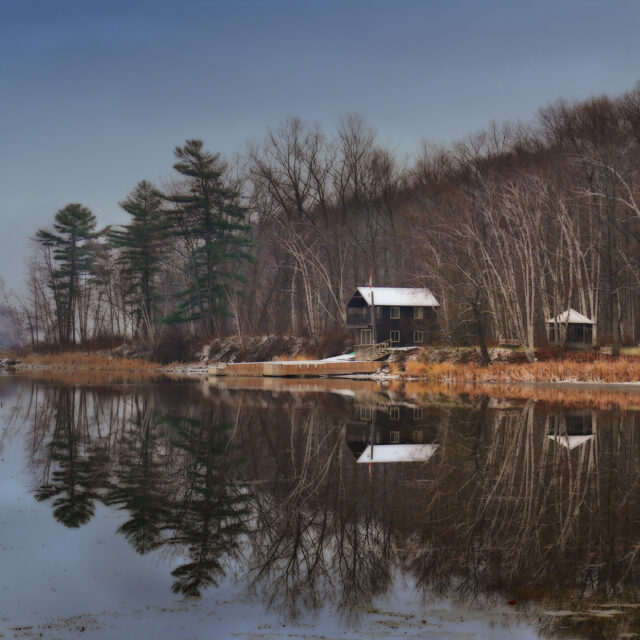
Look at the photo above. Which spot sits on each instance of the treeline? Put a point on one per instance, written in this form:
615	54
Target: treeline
508	227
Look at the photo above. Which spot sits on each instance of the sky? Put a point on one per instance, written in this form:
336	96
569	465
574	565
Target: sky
95	95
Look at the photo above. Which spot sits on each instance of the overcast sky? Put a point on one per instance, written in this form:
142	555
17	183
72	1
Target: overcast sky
95	95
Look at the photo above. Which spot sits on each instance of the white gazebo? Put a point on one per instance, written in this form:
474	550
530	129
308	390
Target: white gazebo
571	328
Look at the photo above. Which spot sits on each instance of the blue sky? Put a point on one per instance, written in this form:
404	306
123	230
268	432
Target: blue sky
95	95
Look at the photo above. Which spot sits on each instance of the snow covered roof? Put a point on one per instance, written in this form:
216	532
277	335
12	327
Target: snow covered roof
397	453
399	296
570	316
571	442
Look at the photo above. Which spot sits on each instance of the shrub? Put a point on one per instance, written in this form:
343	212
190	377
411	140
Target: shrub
172	345
334	343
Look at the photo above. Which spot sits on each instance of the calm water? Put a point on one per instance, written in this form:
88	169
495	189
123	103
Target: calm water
313	510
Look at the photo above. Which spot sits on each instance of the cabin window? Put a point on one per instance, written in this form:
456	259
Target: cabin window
377	436
417	436
418	336
365	413
418	313
394	336
417	413
394	437
394	313
394	413
378	313
365	336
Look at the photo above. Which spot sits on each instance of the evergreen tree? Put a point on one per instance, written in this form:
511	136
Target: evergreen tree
141	245
209	219
69	258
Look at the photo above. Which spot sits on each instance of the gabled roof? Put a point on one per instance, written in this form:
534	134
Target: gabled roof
571	442
570	316
399	296
397	453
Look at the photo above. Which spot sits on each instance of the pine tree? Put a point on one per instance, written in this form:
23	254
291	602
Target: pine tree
69	258
141	245
208	218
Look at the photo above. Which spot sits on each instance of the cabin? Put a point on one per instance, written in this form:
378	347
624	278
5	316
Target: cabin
571	329
403	316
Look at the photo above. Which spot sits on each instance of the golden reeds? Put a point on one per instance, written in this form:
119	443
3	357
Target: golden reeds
603	369
79	361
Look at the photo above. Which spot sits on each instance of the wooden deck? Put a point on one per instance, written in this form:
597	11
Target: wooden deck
293	369
306	385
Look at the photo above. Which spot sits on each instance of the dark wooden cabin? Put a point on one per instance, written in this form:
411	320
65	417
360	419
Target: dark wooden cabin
405	317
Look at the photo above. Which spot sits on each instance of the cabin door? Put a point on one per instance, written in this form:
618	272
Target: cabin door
365	336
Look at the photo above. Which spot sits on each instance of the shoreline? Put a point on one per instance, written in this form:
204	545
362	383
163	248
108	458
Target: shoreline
603	374
566	393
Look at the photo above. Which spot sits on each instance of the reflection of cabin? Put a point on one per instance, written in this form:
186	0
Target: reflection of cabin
397	453
398	432
573	428
402	316
571	329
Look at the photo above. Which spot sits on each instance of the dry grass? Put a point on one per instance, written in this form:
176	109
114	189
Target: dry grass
78	361
597	370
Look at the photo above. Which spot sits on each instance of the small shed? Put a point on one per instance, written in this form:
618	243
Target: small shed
571	328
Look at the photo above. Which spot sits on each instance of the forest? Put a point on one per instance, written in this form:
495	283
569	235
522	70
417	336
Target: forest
508	227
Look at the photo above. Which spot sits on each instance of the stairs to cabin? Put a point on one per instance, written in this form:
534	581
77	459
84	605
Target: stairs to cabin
372	351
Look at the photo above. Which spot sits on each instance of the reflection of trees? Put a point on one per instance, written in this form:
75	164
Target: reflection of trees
77	470
140	484
161	457
534	519
317	536
501	508
208	511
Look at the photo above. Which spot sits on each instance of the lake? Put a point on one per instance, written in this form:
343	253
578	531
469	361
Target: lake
274	508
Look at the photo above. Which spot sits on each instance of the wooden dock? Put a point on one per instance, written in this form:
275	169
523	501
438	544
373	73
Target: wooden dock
298	385
294	369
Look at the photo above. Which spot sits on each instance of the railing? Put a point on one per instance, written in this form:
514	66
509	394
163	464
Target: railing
372	351
358	319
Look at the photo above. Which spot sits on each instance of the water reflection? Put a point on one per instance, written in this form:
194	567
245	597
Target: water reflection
384	430
76	466
511	499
